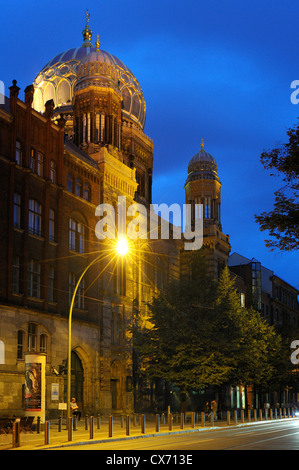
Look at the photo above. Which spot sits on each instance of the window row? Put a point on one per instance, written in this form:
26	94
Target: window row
76	228
31	339
75	186
34	217
37	162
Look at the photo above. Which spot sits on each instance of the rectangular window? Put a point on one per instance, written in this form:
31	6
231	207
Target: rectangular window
32	336
80	294
43	343
76	236
34	223
17	210
72	285
51	225
18	153
40	164
53	171
34	279
208	207
20	345
51	279
32	161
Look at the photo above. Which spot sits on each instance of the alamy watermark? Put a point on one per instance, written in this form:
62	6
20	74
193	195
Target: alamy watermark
2	93
136	221
295	95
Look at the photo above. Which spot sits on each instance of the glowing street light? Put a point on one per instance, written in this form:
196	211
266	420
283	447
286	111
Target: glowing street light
122	248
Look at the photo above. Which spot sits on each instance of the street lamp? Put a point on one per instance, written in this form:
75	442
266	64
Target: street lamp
122	249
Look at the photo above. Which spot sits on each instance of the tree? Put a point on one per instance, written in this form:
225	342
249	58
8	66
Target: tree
200	336
283	221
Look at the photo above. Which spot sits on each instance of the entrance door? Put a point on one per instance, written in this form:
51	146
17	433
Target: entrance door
77	379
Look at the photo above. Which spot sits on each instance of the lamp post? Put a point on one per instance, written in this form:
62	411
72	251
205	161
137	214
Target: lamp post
121	248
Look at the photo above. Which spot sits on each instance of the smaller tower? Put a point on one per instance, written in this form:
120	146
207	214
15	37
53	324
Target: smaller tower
203	187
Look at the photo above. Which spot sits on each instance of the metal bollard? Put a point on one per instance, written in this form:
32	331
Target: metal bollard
193	420
128	425
86	423
157	423
60	424
236	416
254	415
228	417
70	429
110	431
212	418
99	422
16	433
142	424
242	416
261	415
249	415
182	420
47	432
203	418
91	427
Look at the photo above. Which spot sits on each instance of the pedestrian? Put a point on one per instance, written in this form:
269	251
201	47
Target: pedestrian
207	409
75	408
214	408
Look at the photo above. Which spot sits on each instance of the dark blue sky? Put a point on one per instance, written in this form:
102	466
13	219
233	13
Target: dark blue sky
212	69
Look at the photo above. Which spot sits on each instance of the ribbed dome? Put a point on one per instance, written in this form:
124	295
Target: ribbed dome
58	78
202	166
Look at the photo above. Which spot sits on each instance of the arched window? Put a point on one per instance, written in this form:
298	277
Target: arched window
49	93
76	235
63	92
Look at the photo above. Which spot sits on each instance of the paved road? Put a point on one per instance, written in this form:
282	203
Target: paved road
276	435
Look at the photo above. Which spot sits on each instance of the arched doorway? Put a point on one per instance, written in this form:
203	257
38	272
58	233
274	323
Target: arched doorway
116	386
77	379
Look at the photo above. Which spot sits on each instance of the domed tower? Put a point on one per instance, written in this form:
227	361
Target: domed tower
103	104
203	187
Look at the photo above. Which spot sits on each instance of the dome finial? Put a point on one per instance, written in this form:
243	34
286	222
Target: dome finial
87	33
202	144
97	44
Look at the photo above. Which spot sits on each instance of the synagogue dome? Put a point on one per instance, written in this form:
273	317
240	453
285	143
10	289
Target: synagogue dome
202	166
58	78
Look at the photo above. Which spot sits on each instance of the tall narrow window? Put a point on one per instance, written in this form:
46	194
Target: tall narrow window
53	171
76	236
17	210
34	279
70	183
51	225
18	153
40	164
32	336
86	192
51	278
34	222
43	343
33	160
78	187
16	275
208	207
80	294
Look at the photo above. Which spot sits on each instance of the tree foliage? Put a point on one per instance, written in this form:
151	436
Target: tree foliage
283	221
200	336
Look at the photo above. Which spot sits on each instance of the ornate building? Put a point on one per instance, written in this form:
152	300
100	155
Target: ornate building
203	187
76	141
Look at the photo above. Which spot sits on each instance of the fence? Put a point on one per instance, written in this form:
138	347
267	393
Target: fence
126	425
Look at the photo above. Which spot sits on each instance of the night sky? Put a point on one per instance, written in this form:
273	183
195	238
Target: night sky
212	69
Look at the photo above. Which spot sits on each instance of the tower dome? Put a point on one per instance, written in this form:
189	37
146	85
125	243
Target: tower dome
58	78
202	166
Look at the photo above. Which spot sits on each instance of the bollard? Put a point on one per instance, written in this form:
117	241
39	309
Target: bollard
270	413
86	423
254	415
70	429
236	416
128	425
212	418
193	420
249	415
110	431
261	415
157	423
16	433
38	425
121	421
99	422
242	416
75	421
228	417
182	420
60	424
91	427
203	418
142	424
169	421
47	432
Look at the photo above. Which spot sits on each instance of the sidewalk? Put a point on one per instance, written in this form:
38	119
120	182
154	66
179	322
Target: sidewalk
36	441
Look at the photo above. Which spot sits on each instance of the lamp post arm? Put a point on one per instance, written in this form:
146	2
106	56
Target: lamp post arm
69	366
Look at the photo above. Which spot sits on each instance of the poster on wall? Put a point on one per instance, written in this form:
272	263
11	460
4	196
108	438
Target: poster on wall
33	386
